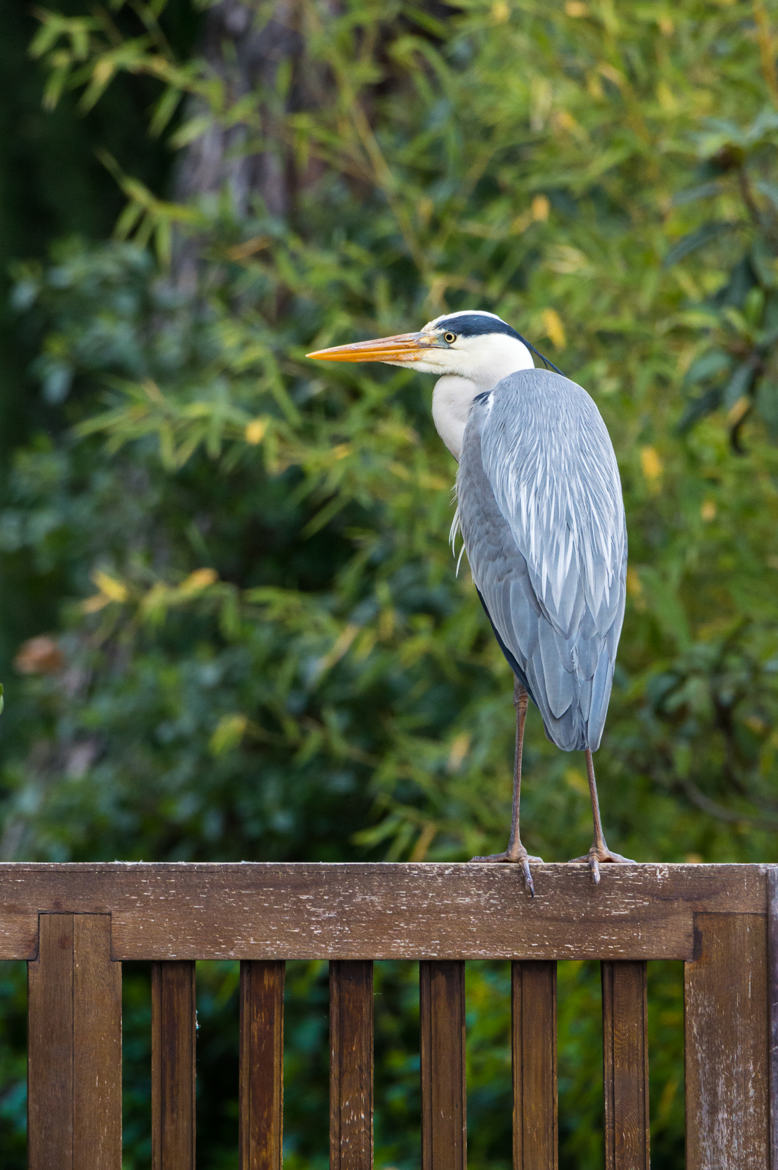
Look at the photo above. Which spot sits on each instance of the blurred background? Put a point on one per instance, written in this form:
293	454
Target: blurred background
230	626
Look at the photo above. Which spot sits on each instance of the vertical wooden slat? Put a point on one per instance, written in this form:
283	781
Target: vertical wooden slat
726	1029
75	1046
261	1064
97	1021
772	986
443	1119
534	1052
173	1031
51	1048
351	1065
625	1066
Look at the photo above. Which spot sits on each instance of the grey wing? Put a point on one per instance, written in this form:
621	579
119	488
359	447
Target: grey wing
542	519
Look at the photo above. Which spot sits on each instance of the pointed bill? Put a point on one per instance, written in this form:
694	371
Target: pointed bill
402	347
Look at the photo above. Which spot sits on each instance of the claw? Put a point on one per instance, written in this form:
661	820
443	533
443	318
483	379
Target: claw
520	857
601	855
528	882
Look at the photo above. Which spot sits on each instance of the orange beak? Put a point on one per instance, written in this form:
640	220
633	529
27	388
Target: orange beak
402	347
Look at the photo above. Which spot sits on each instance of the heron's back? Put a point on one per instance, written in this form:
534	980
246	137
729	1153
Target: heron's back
542	518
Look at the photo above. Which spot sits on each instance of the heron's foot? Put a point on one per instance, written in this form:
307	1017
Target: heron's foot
516	857
601	855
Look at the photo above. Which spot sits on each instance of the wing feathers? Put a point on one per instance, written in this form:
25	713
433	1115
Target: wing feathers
557	674
541	513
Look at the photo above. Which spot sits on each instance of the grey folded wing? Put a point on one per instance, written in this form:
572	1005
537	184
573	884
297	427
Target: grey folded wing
542	518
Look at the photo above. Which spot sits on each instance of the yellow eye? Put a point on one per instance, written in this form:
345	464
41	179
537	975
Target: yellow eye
449	338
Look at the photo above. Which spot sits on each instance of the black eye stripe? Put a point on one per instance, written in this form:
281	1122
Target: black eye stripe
477	324
474	324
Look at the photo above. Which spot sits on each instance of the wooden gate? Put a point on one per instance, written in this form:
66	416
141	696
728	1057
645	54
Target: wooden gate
76	924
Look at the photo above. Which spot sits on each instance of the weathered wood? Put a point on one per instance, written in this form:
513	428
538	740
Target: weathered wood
74	1055
534	1052
378	911
173	1033
51	1047
772	985
625	1066
261	1064
351	1065
722	920
726	1033
443	1092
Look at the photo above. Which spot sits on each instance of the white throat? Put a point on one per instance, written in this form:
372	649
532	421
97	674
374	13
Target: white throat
486	361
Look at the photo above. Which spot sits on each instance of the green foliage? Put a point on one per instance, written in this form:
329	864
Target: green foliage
735	368
254	644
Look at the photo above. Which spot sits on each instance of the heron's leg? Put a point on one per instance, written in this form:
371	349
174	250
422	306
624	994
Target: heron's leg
520	701
599	851
516	851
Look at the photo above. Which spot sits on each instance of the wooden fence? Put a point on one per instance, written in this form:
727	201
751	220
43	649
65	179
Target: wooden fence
76	924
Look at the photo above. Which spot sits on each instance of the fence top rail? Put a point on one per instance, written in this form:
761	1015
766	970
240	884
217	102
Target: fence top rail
268	910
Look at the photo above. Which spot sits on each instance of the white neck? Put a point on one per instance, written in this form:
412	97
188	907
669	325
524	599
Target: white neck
486	361
451	401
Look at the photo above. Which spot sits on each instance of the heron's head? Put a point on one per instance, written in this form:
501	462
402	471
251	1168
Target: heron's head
472	344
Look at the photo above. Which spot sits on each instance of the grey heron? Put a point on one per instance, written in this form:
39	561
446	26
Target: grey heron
540	510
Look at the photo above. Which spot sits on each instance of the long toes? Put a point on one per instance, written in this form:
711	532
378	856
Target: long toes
521	858
602	856
510	858
605	855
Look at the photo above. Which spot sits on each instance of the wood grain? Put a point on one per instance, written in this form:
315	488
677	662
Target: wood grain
351	1066
73	922
51	1055
443	1092
726	1034
625	1066
772	992
173	1033
74	1054
379	911
261	1065
534	1059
